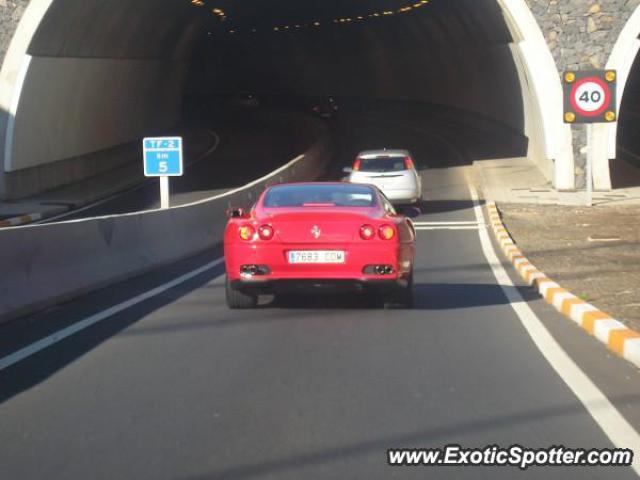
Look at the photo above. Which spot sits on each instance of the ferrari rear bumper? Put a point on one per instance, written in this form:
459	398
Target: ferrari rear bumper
362	265
277	286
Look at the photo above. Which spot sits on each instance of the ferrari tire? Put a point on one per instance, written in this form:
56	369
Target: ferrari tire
239	300
402	298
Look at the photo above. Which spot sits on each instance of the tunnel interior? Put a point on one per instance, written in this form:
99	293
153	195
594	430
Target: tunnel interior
105	75
625	169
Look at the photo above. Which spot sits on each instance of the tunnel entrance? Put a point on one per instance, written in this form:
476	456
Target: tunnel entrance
625	169
94	78
443	67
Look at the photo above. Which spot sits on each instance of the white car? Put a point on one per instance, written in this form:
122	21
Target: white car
392	171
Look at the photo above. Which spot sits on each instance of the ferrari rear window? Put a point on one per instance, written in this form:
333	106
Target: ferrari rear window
382	164
320	196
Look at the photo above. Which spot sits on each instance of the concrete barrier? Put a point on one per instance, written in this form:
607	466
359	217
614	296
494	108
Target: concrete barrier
45	264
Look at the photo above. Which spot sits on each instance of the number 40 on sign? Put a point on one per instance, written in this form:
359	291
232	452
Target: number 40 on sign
590	96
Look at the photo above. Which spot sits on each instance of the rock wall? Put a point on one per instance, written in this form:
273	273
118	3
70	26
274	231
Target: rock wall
10	14
581	35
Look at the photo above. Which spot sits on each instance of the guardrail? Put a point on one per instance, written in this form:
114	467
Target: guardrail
43	265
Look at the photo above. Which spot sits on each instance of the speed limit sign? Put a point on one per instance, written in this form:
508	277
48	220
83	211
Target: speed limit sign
590	97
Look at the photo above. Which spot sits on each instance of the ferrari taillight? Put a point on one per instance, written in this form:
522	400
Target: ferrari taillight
246	232
266	232
367	232
387	232
408	163
356	165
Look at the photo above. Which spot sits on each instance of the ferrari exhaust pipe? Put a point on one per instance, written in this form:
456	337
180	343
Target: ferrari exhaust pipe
254	270
379	270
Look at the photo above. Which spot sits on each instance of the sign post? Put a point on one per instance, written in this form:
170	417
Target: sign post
590	97
163	158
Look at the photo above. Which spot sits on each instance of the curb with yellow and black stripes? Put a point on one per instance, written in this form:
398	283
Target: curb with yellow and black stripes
615	335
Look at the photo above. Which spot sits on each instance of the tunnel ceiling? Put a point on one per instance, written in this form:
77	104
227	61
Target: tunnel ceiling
456	21
169	28
108	72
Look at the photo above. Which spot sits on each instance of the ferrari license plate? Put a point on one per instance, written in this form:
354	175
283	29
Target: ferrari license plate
316	256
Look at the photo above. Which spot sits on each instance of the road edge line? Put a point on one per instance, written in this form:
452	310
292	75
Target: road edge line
46	342
617	337
614	425
56	214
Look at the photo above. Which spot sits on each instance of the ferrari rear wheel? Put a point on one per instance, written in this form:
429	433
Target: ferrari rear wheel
237	299
402	298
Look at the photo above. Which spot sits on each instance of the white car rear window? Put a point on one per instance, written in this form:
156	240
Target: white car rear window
382	164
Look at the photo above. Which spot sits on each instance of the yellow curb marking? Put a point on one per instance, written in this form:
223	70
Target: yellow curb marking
589	316
617	339
567	303
589	320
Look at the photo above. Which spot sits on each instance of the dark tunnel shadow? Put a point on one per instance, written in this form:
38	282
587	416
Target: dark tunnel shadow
416	439
38	367
624	173
427	296
444	206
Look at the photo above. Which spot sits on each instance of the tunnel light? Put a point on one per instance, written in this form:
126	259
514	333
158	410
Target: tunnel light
345	20
197	3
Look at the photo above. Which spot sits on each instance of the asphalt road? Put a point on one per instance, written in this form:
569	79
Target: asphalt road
246	150
180	387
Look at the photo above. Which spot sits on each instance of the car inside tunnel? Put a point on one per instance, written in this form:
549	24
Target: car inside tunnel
377	256
102	77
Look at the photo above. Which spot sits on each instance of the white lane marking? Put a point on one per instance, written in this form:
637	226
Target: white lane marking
612	423
60	335
435	224
444	227
448	225
132	189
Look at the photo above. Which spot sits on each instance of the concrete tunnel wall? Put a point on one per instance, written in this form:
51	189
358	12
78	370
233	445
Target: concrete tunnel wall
95	75
132	53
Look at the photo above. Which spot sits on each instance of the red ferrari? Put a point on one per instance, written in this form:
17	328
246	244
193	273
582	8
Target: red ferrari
303	236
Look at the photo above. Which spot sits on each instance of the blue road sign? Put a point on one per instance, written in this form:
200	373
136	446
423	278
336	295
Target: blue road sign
163	157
